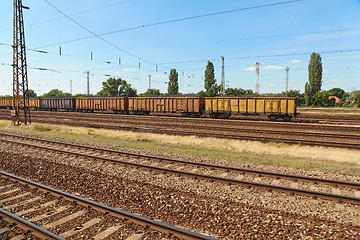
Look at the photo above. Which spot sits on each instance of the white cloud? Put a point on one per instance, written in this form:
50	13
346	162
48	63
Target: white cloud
127	70
250	69
266	68
295	61
272	68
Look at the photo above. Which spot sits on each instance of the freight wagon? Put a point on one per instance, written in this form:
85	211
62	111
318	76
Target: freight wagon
187	106
91	104
63	103
6	103
274	108
35	103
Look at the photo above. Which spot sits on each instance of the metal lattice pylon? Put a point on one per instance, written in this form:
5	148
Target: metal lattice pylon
21	110
257	83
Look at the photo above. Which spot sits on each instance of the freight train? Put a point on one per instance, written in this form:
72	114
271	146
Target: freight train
276	108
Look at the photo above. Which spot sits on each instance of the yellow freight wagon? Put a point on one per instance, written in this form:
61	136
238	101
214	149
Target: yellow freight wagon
35	103
276	108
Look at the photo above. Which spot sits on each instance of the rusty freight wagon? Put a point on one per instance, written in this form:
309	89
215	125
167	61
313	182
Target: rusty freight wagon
187	106
59	103
34	103
6	103
276	108
91	104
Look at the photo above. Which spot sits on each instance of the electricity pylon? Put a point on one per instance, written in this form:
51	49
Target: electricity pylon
21	111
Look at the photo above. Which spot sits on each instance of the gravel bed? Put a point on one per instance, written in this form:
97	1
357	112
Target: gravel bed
196	205
15	231
127	227
284	170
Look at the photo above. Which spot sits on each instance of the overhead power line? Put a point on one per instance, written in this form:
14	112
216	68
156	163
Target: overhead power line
262	56
174	20
98	36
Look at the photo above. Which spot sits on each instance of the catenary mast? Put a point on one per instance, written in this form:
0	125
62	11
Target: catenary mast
21	111
257	83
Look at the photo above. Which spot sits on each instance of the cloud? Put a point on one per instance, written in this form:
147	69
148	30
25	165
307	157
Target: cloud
250	69
272	68
127	70
266	68
295	61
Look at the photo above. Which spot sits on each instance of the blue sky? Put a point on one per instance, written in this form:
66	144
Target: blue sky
244	32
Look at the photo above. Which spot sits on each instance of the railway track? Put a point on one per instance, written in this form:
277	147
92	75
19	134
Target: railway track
27	227
62	215
226	127
345	138
338	191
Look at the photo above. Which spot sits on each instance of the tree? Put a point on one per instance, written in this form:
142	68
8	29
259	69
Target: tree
151	92
352	99
338	92
31	93
55	93
210	86
239	92
114	87
173	84
315	79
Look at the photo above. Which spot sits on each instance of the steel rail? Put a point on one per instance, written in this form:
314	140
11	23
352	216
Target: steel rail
196	164
216	135
213	126
138	219
28	226
314	194
202	120
157	118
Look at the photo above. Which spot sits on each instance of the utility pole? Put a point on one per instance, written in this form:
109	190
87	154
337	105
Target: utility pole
149	81
287	79
21	111
71	87
257	84
88	83
222	75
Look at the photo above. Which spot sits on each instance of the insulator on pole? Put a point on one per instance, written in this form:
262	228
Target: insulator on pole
119	61
60	50
91	56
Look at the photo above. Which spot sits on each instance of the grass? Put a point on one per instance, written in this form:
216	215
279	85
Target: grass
329	110
330	160
42	128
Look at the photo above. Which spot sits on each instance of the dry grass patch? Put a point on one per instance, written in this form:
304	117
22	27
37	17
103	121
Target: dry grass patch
277	154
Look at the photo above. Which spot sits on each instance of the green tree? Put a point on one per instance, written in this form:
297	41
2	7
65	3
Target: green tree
114	87
55	93
239	92
211	89
338	92
152	92
173	84
352	99
315	79
31	93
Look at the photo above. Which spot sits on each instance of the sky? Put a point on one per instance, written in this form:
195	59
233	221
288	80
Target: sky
135	39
